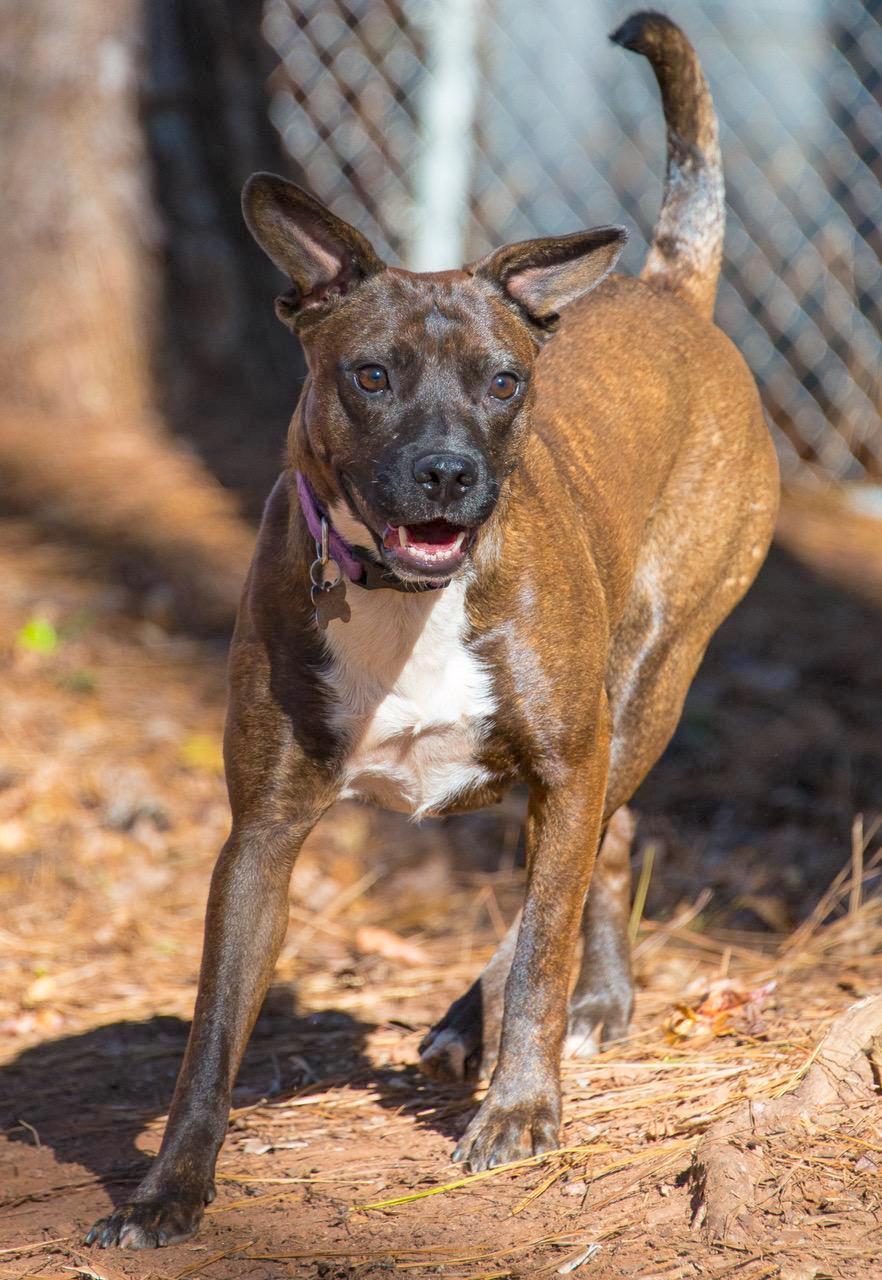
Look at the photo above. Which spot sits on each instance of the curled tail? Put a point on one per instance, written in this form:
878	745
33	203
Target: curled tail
687	244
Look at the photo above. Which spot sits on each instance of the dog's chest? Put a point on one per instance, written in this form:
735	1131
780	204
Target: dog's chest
411	699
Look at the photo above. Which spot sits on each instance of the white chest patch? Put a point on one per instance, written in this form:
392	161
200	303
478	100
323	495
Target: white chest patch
411	699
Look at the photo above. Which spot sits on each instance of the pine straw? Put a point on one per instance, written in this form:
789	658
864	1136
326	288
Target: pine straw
111	810
653	1098
633	1114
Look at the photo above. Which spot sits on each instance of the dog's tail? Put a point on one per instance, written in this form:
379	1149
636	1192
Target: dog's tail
687	244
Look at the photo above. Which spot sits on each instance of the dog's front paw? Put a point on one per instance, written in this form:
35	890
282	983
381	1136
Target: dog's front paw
503	1132
151	1223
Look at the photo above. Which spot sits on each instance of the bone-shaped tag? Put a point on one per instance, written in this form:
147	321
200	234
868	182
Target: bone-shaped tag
330	602
328	589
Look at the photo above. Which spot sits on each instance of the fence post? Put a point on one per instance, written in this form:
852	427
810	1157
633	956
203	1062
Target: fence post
446	115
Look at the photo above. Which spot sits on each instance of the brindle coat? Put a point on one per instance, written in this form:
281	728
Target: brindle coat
626	501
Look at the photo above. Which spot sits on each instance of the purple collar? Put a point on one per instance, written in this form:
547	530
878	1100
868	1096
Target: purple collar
339	549
358	566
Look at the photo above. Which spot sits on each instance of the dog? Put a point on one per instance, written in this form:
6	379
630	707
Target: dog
519	499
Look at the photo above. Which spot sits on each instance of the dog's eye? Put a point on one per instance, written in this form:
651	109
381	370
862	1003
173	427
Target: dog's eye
372	377
504	386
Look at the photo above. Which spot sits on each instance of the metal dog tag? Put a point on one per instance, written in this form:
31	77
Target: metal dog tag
328	589
330	602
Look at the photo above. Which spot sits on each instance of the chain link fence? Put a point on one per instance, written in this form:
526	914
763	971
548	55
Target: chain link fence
445	127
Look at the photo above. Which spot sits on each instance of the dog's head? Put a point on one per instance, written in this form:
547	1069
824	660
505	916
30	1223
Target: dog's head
418	401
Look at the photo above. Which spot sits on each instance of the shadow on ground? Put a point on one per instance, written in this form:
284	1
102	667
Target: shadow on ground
778	749
87	1097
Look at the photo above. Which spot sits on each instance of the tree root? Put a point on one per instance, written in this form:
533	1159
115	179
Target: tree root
729	1163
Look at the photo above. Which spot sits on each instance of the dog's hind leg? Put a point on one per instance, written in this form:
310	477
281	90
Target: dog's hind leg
603	996
465	1043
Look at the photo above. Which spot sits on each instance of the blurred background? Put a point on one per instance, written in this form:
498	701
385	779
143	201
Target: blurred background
133	296
146	390
147	386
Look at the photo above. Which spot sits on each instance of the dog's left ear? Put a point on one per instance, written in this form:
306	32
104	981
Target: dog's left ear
324	256
542	276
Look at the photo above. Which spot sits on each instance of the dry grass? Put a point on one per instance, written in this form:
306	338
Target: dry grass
337	1160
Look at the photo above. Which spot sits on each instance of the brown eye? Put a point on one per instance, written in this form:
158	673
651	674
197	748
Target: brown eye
372	377
504	386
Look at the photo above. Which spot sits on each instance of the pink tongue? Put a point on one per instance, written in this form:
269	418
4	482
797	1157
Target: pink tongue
436	536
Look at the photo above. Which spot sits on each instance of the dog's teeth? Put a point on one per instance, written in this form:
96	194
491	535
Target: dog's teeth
460	539
402	534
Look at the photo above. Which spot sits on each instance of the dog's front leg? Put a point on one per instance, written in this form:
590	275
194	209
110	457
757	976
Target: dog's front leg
521	1114
244	927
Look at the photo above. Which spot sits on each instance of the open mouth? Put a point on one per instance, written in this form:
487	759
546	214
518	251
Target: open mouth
435	548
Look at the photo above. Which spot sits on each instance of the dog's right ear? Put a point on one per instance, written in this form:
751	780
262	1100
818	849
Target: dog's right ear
324	256
542	276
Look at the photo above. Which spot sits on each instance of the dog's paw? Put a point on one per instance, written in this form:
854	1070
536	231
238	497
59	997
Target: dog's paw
463	1046
581	1042
451	1055
501	1133
598	1018
150	1223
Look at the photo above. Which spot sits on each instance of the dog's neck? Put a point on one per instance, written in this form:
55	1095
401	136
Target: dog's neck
350	528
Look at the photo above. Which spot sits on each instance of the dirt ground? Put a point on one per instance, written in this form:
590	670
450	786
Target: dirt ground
337	1162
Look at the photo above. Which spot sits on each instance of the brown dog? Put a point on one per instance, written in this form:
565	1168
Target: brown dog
523	550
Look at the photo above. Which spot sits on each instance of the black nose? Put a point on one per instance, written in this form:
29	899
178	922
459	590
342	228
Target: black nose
445	476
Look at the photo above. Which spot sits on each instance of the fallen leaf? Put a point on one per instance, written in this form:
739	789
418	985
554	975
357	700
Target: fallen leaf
14	836
40	990
256	1147
723	1005
79	682
370	940
201	751
37	636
